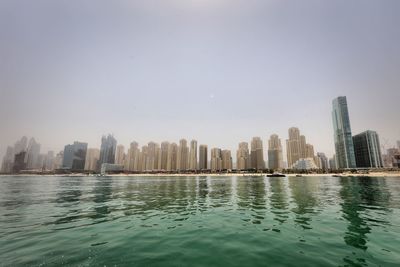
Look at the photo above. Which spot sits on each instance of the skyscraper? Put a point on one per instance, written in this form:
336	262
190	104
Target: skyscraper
107	150
293	146
132	162
226	157
92	157
193	155
172	157
275	157
182	161
344	148
257	154
152	156
203	157
32	154
8	160
49	161
323	161
216	159
164	156
243	161
367	150
75	156
120	155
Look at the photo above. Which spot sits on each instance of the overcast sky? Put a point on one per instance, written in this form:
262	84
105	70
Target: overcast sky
219	71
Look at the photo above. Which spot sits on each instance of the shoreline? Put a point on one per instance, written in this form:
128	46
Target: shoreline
299	175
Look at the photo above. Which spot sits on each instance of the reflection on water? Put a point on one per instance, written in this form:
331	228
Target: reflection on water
330	214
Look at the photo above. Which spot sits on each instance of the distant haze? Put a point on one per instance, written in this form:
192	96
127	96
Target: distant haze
218	71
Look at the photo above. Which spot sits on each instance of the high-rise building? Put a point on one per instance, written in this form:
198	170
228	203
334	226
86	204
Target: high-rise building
172	157
21	145
344	148
92	157
132	161
164	156
32	154
309	151
75	156
257	154
216	159
193	155
152	156
8	161
398	144
203	157
120	155
107	150
49	161
226	157
332	163
142	159
275	157
19	162
323	161
293	146
243	160
183	156
367	150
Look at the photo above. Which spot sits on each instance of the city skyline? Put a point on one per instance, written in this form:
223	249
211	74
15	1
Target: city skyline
196	69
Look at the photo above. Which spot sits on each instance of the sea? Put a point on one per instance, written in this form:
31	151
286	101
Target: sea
199	221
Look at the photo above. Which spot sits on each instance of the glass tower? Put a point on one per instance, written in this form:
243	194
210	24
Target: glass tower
344	148
367	150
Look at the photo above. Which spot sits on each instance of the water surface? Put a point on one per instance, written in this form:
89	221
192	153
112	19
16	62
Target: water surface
199	221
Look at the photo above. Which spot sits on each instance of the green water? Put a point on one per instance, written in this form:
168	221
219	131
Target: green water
199	221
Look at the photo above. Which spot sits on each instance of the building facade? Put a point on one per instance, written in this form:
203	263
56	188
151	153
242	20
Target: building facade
367	150
343	138
257	154
203	157
107	150
275	156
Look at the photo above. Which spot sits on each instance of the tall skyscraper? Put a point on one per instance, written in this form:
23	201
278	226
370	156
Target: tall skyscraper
203	157
193	155
49	161
398	144
226	158
8	160
344	148
92	157
164	156
323	161
332	163
243	160
32	154
19	162
275	157
183	156
75	156
132	162
367	150
120	155
21	145
107	150
172	157
257	154
293	146
152	156
216	159
309	151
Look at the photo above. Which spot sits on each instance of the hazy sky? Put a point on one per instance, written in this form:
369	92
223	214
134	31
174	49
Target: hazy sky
219	71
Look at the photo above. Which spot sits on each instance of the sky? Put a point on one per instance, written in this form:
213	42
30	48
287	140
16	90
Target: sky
218	71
